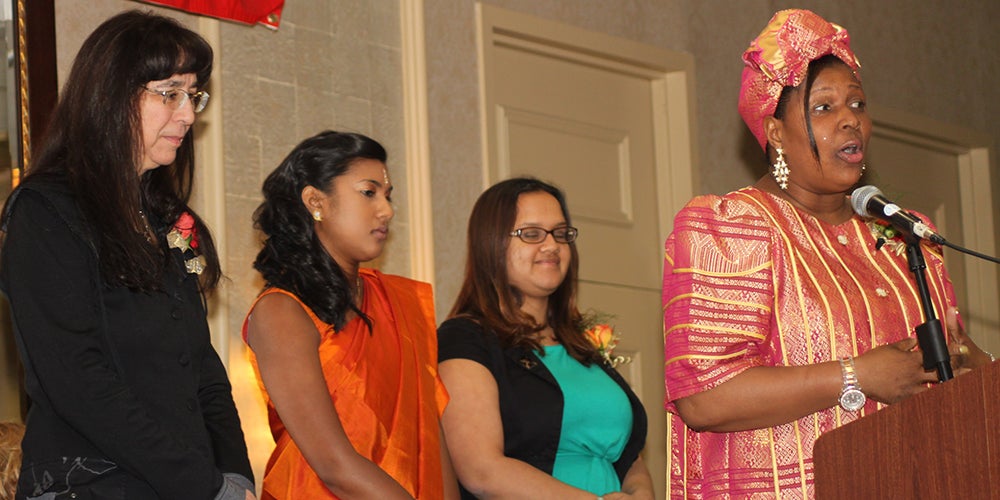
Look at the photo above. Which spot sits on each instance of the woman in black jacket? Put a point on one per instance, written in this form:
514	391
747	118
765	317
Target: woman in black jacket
536	411
105	267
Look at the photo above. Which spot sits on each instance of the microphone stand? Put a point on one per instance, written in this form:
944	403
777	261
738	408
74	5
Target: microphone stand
930	335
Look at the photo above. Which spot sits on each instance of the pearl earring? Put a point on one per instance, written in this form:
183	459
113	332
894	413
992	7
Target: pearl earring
316	216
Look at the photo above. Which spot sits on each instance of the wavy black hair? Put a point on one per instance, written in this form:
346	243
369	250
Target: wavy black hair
293	257
95	142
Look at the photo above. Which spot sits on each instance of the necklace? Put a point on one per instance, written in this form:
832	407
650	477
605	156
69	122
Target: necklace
148	231
358	288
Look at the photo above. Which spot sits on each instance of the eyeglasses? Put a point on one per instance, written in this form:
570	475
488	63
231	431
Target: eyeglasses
177	98
564	234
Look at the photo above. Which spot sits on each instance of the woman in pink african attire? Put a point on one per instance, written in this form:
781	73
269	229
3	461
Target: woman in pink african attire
776	296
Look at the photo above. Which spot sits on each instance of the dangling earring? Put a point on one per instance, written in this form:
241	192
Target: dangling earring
316	216
780	171
864	166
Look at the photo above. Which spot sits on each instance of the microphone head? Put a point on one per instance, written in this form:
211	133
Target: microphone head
860	198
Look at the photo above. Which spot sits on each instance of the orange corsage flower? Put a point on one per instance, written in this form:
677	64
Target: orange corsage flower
603	336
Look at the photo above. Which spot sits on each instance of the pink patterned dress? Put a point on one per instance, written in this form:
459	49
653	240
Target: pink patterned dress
751	281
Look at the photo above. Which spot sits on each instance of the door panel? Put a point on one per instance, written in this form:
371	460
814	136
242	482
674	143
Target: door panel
922	179
943	172
590	113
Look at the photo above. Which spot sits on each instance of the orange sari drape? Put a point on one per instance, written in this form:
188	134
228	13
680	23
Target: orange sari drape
384	386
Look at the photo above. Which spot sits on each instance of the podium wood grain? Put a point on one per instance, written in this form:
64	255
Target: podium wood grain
941	443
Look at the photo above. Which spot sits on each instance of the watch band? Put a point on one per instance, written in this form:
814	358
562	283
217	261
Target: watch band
851	396
848	372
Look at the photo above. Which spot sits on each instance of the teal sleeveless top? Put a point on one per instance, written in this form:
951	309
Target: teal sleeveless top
596	423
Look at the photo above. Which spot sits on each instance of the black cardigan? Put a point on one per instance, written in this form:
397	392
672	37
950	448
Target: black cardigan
126	388
531	401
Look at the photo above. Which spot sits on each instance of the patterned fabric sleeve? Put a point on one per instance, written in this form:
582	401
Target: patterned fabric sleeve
717	294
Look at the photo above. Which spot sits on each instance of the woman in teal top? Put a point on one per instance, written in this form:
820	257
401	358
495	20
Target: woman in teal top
596	423
534	411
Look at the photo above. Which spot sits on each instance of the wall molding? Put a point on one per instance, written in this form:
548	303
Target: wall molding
417	147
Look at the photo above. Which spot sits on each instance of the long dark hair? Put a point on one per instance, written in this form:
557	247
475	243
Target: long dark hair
95	142
814	69
293	257
487	295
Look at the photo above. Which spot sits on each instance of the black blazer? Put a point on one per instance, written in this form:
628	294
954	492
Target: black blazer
127	392
531	402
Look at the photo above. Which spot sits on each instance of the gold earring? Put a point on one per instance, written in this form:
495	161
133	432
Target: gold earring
316	216
780	169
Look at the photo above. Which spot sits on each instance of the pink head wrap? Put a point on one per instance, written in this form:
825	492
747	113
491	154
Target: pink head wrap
780	57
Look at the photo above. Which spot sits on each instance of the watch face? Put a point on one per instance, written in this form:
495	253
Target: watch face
852	400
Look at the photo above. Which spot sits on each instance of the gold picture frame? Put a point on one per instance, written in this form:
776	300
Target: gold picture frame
30	96
36	79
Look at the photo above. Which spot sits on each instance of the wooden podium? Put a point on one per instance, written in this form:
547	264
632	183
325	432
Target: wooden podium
941	443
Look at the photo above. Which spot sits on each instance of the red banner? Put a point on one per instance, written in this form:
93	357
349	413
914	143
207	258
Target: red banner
266	12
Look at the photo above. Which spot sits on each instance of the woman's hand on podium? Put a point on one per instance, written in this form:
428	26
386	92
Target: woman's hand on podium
893	372
965	354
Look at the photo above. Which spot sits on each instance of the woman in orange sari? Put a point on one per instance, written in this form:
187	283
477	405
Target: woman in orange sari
346	357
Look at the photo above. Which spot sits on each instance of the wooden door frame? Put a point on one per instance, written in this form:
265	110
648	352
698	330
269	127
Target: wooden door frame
671	78
979	225
670	73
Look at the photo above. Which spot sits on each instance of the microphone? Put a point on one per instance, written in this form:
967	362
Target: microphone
868	201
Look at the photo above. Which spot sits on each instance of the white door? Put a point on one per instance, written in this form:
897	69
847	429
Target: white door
943	172
607	121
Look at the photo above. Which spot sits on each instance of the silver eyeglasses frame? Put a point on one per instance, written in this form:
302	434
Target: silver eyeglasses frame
177	98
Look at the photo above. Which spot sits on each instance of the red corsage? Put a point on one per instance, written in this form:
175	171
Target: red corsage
184	237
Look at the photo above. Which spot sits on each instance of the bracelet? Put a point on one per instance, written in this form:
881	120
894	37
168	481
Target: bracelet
992	357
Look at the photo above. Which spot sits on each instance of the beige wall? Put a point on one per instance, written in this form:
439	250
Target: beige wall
933	58
333	64
336	64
